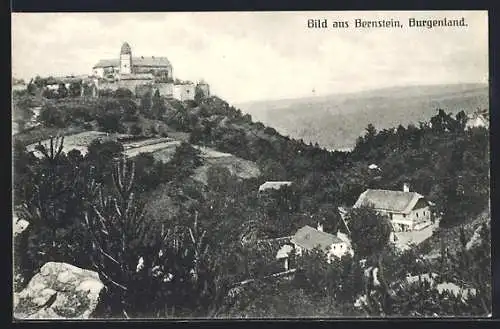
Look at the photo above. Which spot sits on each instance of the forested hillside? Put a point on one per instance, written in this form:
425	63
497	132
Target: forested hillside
103	212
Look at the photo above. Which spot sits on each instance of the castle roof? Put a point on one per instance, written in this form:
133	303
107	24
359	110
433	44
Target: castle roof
309	238
140	61
126	49
390	201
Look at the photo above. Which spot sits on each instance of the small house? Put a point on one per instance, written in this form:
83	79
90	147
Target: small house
284	255
308	238
407	210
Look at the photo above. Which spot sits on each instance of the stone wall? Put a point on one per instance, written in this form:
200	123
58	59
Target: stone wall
184	92
204	88
165	89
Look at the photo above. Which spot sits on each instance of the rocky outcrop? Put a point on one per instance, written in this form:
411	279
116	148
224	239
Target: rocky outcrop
19	225
59	291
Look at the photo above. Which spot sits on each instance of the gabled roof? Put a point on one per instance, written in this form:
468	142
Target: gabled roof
274	185
107	63
147	61
284	251
390	201
150	61
310	238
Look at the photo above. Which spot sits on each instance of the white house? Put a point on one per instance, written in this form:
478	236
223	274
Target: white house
284	254
307	238
407	210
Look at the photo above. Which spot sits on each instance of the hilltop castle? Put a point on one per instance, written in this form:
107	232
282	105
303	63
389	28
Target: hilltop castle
142	74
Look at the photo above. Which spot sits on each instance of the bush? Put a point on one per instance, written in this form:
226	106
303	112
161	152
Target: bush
51	116
110	122
135	129
123	93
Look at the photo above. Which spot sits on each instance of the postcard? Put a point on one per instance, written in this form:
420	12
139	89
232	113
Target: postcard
251	165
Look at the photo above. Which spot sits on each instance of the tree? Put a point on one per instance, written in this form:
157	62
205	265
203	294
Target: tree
219	178
52	202
100	156
110	122
370	231
135	129
62	91
158	106
198	96
52	117
75	89
146	102
185	159
123	93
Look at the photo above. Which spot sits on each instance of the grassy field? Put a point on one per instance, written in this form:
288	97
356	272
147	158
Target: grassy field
79	141
162	149
241	168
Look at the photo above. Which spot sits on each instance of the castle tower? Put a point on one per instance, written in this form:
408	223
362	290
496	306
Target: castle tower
126	59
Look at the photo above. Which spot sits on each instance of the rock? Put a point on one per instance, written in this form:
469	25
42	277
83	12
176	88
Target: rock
59	291
19	225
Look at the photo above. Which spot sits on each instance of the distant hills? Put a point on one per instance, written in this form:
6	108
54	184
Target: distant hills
335	121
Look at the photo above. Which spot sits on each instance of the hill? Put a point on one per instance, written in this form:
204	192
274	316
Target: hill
335	121
162	149
224	219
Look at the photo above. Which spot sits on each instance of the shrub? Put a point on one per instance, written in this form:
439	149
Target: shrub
135	129
123	93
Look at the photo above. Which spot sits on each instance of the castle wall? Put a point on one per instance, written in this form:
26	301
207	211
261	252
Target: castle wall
205	89
184	92
99	72
165	89
102	85
142	90
132	84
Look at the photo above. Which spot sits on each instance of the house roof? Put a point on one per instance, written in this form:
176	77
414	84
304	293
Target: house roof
309	238
284	251
390	201
144	61
274	185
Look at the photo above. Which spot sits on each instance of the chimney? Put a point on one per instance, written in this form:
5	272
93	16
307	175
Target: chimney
320	227
406	187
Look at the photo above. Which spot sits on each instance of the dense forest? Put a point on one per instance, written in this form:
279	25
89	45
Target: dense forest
103	212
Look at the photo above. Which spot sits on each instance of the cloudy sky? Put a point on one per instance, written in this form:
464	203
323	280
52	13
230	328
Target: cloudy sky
259	55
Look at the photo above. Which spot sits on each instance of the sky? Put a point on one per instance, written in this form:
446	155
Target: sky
250	56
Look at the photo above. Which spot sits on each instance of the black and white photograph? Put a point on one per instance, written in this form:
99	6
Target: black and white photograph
250	165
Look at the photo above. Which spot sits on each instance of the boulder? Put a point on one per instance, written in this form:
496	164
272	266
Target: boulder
59	291
20	225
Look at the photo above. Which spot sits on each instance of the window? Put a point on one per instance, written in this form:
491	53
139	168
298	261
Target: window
417	214
404	215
